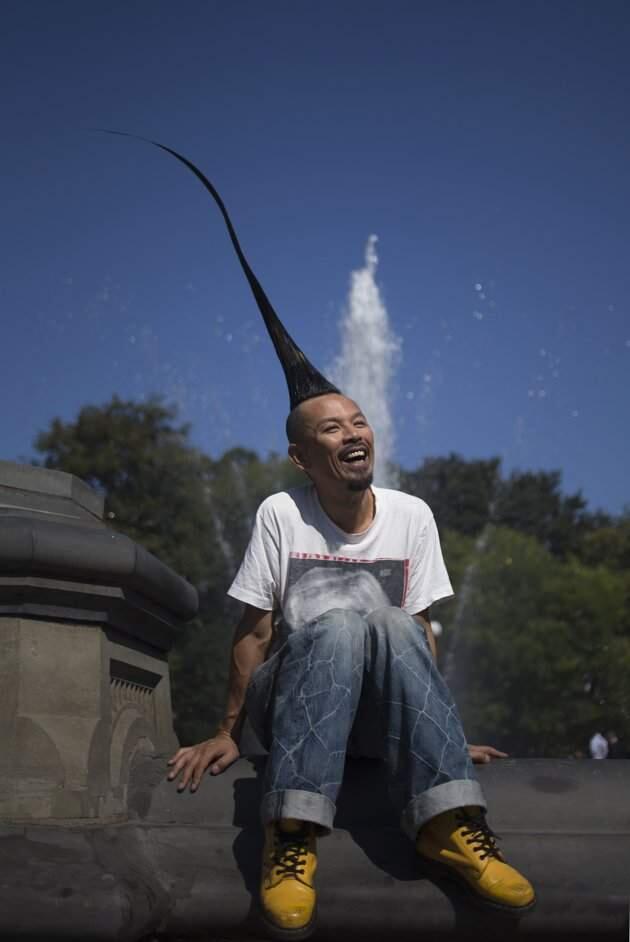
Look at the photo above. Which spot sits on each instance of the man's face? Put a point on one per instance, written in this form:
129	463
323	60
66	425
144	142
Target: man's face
337	444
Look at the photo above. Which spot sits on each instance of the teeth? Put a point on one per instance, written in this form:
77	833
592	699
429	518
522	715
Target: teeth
356	454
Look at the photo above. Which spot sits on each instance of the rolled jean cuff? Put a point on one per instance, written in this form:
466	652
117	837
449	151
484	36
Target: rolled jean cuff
299	804
441	798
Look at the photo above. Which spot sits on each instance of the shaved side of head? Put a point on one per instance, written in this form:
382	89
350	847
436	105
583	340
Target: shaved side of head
295	426
295	423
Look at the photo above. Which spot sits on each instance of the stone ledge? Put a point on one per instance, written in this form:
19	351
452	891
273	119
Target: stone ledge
189	864
33	547
16	479
126	612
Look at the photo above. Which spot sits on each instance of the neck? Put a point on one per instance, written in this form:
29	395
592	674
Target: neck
351	511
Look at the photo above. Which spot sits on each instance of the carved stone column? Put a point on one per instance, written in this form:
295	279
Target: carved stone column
87	618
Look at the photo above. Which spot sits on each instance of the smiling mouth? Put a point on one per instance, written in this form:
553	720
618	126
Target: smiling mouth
356	457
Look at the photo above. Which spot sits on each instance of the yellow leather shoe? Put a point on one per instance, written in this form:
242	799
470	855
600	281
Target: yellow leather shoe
287	893
459	844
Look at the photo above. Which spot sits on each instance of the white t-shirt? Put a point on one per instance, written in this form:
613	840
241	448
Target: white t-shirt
301	564
598	746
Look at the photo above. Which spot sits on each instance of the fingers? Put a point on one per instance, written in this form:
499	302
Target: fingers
229	754
191	762
483	754
492	752
220	765
480	758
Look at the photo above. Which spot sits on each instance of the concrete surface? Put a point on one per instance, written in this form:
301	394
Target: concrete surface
187	865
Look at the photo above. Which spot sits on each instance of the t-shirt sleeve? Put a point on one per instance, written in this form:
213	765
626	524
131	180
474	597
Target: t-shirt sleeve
258	577
428	580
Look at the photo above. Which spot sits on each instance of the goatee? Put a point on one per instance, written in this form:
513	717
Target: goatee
361	484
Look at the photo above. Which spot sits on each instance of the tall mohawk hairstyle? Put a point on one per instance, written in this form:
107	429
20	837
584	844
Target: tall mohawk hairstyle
303	379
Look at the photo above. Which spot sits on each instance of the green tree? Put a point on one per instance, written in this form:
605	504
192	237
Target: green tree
459	492
544	650
533	503
151	477
607	544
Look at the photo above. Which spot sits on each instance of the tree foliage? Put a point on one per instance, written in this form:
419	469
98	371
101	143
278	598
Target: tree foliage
459	492
543	649
533	503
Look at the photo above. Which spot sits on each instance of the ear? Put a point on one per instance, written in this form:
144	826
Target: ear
298	456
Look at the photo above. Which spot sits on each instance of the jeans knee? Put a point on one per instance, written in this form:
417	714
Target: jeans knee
337	622
389	623
389	618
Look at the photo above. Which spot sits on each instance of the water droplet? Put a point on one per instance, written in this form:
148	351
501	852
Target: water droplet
410	394
478	315
478	287
575	413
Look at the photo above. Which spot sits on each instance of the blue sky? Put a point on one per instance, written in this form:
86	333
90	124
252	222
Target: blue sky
487	144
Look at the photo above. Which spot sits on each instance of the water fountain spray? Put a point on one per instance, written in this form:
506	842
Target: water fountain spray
369	356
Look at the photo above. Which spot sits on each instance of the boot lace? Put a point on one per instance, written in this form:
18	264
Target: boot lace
289	854
479	834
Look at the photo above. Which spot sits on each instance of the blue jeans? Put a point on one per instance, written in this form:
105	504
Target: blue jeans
369	686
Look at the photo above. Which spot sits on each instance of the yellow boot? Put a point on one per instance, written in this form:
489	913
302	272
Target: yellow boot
460	845
287	893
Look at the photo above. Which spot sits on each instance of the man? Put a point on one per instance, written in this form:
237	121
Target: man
598	746
352	570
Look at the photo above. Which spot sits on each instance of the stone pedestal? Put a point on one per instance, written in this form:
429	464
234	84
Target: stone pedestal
86	621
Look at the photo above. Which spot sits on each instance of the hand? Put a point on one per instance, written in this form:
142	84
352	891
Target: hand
192	761
482	754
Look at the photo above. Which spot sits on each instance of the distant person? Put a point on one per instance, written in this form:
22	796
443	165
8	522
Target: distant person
598	746
335	652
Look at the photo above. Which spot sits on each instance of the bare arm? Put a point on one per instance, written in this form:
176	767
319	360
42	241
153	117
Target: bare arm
249	647
251	641
424	620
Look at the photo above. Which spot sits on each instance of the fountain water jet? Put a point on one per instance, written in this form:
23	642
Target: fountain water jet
369	355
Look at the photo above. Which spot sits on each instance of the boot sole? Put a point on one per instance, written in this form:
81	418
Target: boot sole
297	934
444	872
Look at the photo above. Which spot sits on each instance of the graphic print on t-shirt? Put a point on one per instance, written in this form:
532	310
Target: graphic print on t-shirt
318	583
